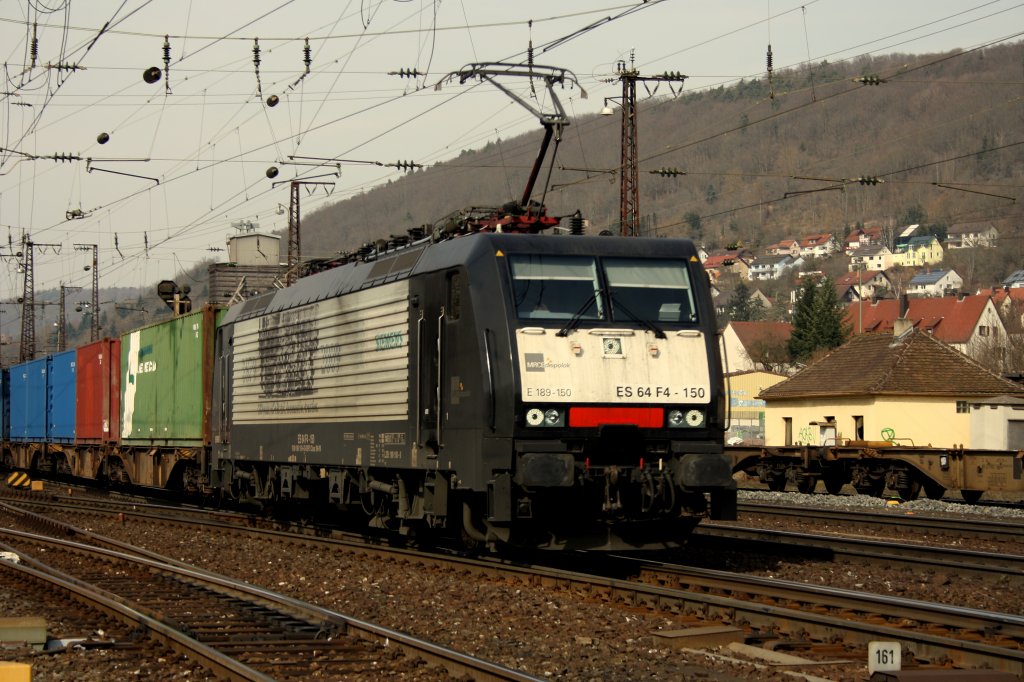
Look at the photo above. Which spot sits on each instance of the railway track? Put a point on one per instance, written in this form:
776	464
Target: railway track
976	527
770	612
236	630
986	565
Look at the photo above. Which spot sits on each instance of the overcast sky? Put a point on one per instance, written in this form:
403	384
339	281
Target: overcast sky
186	156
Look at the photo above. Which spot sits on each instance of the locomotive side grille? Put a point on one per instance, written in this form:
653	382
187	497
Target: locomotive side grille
337	360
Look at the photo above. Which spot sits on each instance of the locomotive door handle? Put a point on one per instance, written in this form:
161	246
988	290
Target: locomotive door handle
419	380
440	376
490	378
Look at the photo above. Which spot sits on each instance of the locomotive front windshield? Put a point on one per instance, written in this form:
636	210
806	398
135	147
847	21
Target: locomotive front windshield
556	288
653	290
548	287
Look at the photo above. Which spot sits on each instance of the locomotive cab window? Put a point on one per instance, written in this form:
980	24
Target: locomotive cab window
649	289
556	287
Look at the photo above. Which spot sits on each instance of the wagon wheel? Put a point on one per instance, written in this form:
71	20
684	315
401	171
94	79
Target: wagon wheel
807	484
833	484
934	491
971	496
776	484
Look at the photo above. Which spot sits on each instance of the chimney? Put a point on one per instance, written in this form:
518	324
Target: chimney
901	326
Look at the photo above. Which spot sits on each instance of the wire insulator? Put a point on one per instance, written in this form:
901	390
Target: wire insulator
167	63
34	50
256	64
307	53
769	57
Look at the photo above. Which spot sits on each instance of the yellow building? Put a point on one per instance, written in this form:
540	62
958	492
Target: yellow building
910	388
918	252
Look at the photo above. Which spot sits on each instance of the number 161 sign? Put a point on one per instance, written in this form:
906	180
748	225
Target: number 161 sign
884	657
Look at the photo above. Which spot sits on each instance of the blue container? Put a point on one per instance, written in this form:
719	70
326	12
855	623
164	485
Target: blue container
60	397
5	405
28	401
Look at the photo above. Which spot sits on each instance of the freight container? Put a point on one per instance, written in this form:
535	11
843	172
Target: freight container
98	392
28	401
166	377
60	397
5	404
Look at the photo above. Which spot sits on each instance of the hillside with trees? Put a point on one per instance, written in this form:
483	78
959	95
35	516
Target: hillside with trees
758	162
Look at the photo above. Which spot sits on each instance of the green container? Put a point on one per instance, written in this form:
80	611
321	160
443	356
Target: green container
166	379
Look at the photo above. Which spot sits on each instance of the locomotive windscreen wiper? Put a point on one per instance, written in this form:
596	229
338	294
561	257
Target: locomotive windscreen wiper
578	315
644	323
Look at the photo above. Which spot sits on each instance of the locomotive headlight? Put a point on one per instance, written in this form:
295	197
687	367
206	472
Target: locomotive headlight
675	418
553	418
694	418
534	417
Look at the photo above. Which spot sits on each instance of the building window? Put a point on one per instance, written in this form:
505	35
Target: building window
961	407
858	428
983	330
788	423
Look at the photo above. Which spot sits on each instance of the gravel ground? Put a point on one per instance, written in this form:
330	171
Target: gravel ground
546	632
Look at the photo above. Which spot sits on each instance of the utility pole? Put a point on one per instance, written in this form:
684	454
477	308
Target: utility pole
62	320
629	185
28	301
294	215
294	242
95	336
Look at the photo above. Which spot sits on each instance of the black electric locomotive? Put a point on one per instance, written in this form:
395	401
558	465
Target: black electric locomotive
508	388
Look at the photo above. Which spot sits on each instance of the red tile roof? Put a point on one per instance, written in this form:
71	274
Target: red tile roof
722	260
999	294
878	364
751	333
950	319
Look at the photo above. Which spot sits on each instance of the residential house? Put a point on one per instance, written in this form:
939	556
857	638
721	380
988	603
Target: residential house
969	324
786	247
773	267
905	235
874	257
1005	299
818	246
867	285
756	346
718	264
721	297
1015	280
918	252
746	409
935	283
863	237
911	385
968	235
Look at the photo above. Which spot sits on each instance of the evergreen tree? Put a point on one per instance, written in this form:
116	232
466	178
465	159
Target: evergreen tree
743	307
817	319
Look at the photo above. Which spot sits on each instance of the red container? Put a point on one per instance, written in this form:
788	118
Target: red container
98	413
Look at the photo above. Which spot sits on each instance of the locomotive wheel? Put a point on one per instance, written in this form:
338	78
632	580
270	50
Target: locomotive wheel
934	491
807	485
776	484
971	496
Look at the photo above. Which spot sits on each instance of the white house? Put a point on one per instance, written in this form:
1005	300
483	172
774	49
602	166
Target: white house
874	257
968	235
935	283
773	267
